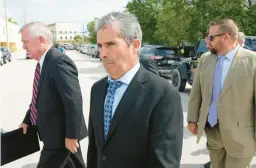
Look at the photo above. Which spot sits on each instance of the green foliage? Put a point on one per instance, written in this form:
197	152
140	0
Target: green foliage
92	32
175	21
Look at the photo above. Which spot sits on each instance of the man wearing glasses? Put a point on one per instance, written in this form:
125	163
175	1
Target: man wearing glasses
222	99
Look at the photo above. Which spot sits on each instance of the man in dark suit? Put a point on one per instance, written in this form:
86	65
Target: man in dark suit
136	117
56	106
149	64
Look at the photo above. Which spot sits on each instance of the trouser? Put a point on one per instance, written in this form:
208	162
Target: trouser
218	155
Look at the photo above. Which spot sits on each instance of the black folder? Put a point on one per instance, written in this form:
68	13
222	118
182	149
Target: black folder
15	144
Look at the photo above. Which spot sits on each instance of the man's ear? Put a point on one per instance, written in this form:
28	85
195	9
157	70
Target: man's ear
42	39
136	45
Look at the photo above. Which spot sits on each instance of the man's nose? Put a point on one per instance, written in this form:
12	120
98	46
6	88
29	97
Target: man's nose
24	46
103	51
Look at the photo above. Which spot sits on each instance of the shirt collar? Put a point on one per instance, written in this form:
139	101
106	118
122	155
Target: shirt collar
127	78
41	61
231	54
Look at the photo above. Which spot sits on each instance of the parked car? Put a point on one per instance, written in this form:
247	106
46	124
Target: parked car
164	56
68	46
185	68
250	43
1	59
6	55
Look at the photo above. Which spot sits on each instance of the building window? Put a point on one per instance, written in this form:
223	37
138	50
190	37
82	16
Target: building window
71	38
70	31
66	32
66	37
61	37
75	31
60	32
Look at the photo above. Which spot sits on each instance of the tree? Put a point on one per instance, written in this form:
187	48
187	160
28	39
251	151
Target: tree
146	11
176	21
12	21
172	22
92	32
78	39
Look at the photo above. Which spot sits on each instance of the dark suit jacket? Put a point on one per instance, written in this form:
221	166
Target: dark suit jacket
59	103
146	130
149	64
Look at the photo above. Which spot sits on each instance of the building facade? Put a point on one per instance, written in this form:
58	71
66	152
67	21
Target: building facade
65	32
14	37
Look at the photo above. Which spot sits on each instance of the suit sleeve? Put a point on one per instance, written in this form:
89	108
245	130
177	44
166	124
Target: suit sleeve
26	119
67	83
152	67
92	149
255	101
195	99
166	137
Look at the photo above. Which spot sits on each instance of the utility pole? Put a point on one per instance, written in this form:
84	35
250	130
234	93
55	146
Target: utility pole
6	25
25	15
83	32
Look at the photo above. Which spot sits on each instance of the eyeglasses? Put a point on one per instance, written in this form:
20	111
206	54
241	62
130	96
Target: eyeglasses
211	37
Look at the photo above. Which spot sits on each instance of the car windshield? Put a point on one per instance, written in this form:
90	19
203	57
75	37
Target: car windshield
251	43
202	47
167	52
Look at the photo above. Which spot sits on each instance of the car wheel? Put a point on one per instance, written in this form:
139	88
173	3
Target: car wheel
177	82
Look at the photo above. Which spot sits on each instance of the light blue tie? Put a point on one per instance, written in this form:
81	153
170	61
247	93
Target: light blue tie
113	86
216	90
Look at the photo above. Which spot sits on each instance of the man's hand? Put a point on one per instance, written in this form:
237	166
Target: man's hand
25	127
193	128
71	144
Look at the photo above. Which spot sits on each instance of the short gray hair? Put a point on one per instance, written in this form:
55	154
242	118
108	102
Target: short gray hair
129	25
241	36
37	29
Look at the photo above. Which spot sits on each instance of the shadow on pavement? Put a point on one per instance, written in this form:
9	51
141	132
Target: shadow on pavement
95	70
200	152
33	165
191	166
23	59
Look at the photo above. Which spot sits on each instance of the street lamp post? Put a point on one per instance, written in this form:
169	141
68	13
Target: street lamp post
6	25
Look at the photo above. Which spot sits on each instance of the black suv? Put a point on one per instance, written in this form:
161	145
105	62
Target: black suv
164	56
185	69
250	43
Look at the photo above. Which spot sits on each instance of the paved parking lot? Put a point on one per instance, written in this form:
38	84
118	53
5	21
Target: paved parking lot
15	95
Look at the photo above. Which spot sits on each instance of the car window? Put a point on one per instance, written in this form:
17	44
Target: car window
251	43
144	50
202	48
167	52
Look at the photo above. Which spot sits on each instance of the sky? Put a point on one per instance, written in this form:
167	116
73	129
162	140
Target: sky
52	11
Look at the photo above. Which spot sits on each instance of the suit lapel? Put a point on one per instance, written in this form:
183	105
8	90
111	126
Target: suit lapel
101	98
211	70
232	71
45	63
129	98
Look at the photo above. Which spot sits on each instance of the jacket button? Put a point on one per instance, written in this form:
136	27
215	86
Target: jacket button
104	158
